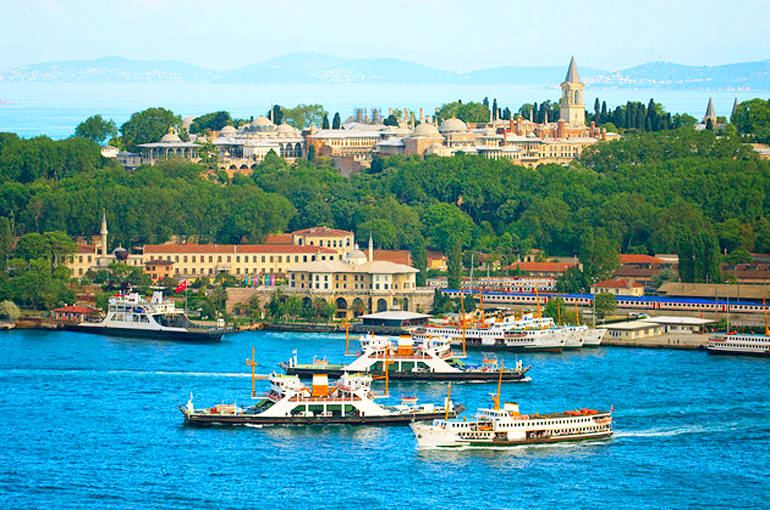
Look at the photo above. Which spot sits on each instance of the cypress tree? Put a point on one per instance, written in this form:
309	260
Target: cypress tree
336	122
325	124
6	241
495	114
604	116
597	111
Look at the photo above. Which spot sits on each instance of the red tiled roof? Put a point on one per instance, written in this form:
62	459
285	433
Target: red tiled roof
396	256
278	239
632	258
174	248
552	267
322	232
435	255
86	248
76	309
158	262
618	284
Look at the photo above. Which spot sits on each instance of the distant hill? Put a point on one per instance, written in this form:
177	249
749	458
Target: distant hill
108	69
749	75
319	69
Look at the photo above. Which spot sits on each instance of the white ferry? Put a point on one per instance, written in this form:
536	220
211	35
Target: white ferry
735	343
430	359
289	402
508	427
132	315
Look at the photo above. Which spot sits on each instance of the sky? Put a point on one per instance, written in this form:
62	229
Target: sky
457	35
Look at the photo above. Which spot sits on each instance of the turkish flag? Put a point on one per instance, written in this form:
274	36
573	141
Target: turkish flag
182	286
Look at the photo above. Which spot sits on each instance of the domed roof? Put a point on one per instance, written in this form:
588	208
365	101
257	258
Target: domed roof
227	130
120	253
285	129
453	125
356	257
261	121
170	138
425	130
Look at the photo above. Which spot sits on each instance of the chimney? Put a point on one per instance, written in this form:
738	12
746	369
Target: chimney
371	249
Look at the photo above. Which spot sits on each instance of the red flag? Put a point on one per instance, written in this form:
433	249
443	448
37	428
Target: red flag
182	286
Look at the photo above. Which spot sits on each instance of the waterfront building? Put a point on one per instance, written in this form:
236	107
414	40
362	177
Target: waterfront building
170	145
618	287
94	255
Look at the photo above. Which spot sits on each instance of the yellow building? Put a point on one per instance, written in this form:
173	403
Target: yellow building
95	255
192	260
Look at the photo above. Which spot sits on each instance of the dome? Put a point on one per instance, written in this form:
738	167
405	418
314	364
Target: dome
287	130
261	121
453	125
356	257
120	253
170	138
227	130
425	130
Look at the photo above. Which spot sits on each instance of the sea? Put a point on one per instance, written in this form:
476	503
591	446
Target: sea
55	109
92	422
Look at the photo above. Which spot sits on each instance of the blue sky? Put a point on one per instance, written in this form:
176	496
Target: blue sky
448	34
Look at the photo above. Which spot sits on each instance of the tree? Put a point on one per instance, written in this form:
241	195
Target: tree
148	126
573	281
391	120
96	128
604	304
420	261
213	121
455	263
337	122
467	112
302	115
325	122
556	309
276	115
6	242
9	311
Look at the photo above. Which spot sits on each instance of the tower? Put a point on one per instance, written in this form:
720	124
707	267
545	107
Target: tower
572	109
710	115
371	248
103	233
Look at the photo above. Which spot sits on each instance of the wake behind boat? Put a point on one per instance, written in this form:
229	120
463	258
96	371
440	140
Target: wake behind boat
428	360
132	315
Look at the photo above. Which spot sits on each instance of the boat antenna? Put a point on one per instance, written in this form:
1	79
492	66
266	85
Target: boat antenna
537	300
499	386
446	407
462	324
387	379
253	364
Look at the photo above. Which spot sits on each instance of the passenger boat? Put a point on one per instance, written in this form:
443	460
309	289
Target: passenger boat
131	315
507	427
736	343
743	344
289	402
430	359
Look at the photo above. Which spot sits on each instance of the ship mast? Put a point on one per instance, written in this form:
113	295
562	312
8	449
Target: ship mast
347	335
462	324
577	314
499	386
446	406
764	308
253	364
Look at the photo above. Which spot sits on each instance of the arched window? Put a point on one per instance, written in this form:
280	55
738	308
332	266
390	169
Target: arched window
577	97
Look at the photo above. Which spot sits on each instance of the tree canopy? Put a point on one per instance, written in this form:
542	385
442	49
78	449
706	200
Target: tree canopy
148	126
96	129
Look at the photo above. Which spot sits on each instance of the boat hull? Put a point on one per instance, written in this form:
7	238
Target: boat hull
755	354
185	336
206	420
533	441
411	376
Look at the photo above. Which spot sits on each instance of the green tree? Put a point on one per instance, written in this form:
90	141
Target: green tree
213	121
9	312
604	304
148	126
420	261
96	128
467	112
336	122
325	121
455	263
6	242
302	115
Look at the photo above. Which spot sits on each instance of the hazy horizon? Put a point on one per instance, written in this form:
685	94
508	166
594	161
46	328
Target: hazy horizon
444	34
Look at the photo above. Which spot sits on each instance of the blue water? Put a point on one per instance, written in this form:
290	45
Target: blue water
55	109
91	421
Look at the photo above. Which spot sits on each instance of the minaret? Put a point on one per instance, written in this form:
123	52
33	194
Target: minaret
103	232
371	249
572	109
735	108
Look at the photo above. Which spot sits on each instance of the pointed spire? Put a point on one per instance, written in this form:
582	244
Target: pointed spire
572	72
710	111
371	248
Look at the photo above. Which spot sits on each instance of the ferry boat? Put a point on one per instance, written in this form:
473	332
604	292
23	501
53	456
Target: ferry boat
507	427
431	359
736	343
289	402
132	315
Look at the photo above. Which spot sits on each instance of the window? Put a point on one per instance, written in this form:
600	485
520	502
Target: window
184	258
237	258
271	258
228	258
280	259
193	258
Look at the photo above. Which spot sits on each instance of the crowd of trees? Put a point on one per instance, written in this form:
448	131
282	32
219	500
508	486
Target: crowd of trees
752	119
667	191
